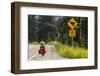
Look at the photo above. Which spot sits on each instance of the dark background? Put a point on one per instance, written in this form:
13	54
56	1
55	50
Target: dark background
51	28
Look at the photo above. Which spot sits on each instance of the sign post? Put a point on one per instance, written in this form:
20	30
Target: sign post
72	41
72	32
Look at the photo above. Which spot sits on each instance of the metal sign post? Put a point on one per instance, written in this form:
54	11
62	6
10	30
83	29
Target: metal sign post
72	33
72	41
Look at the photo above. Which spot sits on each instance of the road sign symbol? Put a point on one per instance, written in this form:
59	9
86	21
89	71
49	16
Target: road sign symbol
72	23
72	33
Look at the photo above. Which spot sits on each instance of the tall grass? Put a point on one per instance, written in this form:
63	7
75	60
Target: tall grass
69	51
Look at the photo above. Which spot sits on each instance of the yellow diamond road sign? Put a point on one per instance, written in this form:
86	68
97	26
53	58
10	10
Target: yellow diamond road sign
72	23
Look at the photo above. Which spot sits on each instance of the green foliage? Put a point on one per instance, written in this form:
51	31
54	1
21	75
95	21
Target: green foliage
56	43
50	28
68	51
35	43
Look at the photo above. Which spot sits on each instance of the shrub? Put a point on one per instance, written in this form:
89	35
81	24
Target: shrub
68	51
35	43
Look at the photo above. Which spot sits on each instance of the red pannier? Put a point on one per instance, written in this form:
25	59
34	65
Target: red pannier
42	51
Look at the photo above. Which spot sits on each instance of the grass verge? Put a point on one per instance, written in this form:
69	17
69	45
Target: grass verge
68	51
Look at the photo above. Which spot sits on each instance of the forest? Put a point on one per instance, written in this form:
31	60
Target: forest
55	30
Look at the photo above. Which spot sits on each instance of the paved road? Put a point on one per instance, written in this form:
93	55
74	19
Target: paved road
50	53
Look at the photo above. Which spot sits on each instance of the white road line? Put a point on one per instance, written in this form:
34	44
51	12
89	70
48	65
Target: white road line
33	56
50	53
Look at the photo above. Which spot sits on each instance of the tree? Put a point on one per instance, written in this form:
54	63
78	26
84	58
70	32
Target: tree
47	28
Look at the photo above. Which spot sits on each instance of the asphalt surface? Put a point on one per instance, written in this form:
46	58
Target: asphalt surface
51	53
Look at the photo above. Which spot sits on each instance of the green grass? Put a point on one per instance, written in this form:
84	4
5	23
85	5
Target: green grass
68	51
35	43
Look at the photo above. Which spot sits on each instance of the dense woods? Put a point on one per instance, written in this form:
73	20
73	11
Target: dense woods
55	28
